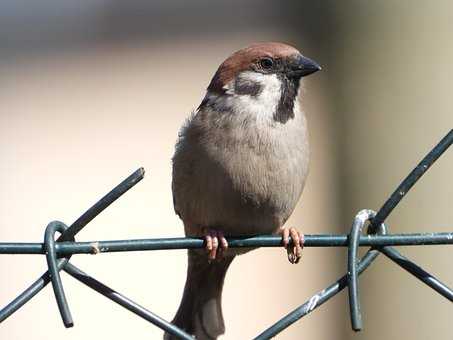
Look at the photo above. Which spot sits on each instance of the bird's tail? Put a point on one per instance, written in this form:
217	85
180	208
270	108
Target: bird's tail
200	311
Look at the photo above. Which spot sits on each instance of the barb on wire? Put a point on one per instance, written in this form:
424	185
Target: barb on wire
59	252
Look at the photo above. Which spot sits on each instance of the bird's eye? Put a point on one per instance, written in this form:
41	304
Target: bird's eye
266	63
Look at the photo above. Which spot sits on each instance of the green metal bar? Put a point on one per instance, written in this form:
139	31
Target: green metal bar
29	293
412	178
316	300
125	302
90	247
418	272
102	204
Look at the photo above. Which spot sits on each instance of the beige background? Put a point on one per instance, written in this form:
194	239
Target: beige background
89	94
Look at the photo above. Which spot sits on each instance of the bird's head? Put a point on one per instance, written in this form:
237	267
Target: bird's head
263	77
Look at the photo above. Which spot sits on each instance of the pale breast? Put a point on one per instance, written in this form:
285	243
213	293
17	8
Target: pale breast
243	176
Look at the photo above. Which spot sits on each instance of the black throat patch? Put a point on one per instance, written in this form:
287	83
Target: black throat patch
285	107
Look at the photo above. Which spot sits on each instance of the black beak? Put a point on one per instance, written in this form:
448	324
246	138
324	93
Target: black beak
302	66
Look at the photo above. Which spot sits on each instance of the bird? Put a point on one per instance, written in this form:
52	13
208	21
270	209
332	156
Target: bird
239	168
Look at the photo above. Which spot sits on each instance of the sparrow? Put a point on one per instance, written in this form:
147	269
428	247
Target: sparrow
239	168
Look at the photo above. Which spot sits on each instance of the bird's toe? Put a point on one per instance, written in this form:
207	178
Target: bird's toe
293	249
215	244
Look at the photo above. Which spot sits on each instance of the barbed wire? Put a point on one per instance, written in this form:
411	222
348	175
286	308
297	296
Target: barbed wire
58	253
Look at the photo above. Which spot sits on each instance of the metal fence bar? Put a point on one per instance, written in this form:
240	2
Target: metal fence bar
316	300
103	204
28	293
125	302
321	240
418	272
412	178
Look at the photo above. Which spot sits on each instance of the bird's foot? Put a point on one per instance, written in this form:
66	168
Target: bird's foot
215	243
294	249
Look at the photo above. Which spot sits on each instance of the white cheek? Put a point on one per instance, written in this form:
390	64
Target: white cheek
265	103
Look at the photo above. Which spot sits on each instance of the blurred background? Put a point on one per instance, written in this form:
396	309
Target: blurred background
90	91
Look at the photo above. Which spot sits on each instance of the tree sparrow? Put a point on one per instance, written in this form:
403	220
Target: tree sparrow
238	170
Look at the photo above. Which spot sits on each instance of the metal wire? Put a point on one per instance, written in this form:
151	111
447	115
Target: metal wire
316	300
378	239
412	178
113	246
124	301
418	272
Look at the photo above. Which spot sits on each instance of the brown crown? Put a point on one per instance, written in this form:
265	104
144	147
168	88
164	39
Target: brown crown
244	59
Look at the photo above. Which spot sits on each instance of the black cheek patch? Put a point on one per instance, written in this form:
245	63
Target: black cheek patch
285	107
244	86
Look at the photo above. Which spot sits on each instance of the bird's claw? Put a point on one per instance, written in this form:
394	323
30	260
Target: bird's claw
216	244
295	249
